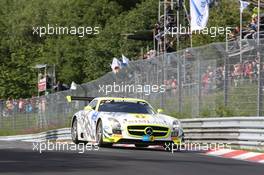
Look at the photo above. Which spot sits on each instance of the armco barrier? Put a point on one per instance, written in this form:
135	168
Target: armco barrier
242	132
56	134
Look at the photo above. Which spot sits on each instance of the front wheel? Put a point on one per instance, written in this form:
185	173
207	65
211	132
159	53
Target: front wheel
99	136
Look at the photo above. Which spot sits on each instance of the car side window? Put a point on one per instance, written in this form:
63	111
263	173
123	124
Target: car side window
93	104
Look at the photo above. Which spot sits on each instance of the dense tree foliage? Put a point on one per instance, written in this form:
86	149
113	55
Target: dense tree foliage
79	59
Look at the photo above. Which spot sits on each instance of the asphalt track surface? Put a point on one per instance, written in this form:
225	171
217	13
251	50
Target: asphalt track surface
19	158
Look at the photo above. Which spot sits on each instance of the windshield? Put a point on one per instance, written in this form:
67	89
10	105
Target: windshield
127	107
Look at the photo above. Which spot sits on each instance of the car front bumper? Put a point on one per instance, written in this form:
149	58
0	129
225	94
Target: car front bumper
119	139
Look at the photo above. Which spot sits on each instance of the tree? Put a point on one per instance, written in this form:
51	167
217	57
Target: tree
79	59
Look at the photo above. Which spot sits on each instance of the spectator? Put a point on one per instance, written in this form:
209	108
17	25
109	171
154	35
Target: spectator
235	33
253	24
237	73
9	105
21	105
248	71
255	70
116	65
59	86
169	47
205	81
29	107
174	85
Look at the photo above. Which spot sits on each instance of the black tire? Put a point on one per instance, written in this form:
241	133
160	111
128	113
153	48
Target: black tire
140	145
99	136
74	132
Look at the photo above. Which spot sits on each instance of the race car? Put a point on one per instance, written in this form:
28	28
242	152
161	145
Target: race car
111	120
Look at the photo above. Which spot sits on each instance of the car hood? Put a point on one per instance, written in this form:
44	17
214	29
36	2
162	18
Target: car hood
134	119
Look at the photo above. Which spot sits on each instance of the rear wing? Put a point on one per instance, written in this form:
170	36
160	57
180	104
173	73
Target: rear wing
75	98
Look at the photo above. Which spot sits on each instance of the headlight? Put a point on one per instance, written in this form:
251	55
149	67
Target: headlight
176	124
115	124
175	128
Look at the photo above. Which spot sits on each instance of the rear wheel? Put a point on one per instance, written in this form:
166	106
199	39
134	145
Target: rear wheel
74	132
99	136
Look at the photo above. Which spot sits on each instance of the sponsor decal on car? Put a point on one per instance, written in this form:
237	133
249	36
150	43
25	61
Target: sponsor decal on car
147	138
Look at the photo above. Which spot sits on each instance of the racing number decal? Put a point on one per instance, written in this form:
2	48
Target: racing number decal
94	116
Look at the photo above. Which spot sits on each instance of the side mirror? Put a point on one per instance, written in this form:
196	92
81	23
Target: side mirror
88	108
160	111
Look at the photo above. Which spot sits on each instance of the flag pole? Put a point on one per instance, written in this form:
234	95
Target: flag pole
258	20
260	93
240	43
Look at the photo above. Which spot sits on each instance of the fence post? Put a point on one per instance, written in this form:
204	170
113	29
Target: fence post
162	78
199	85
180	82
260	93
260	71
226	60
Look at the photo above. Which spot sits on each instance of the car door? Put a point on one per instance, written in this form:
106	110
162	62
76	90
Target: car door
90	120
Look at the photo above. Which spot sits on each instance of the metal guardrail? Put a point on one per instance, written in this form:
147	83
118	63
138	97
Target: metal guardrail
56	134
242	132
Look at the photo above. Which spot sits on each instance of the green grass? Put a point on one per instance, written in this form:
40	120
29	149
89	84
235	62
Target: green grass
29	123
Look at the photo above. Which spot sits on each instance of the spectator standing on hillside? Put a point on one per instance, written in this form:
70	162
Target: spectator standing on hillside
9	106
249	71
29	106
59	86
21	105
219	78
235	33
116	65
174	85
255	71
253	24
237	73
205	80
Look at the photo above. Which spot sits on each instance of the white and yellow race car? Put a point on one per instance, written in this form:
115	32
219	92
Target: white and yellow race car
109	120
